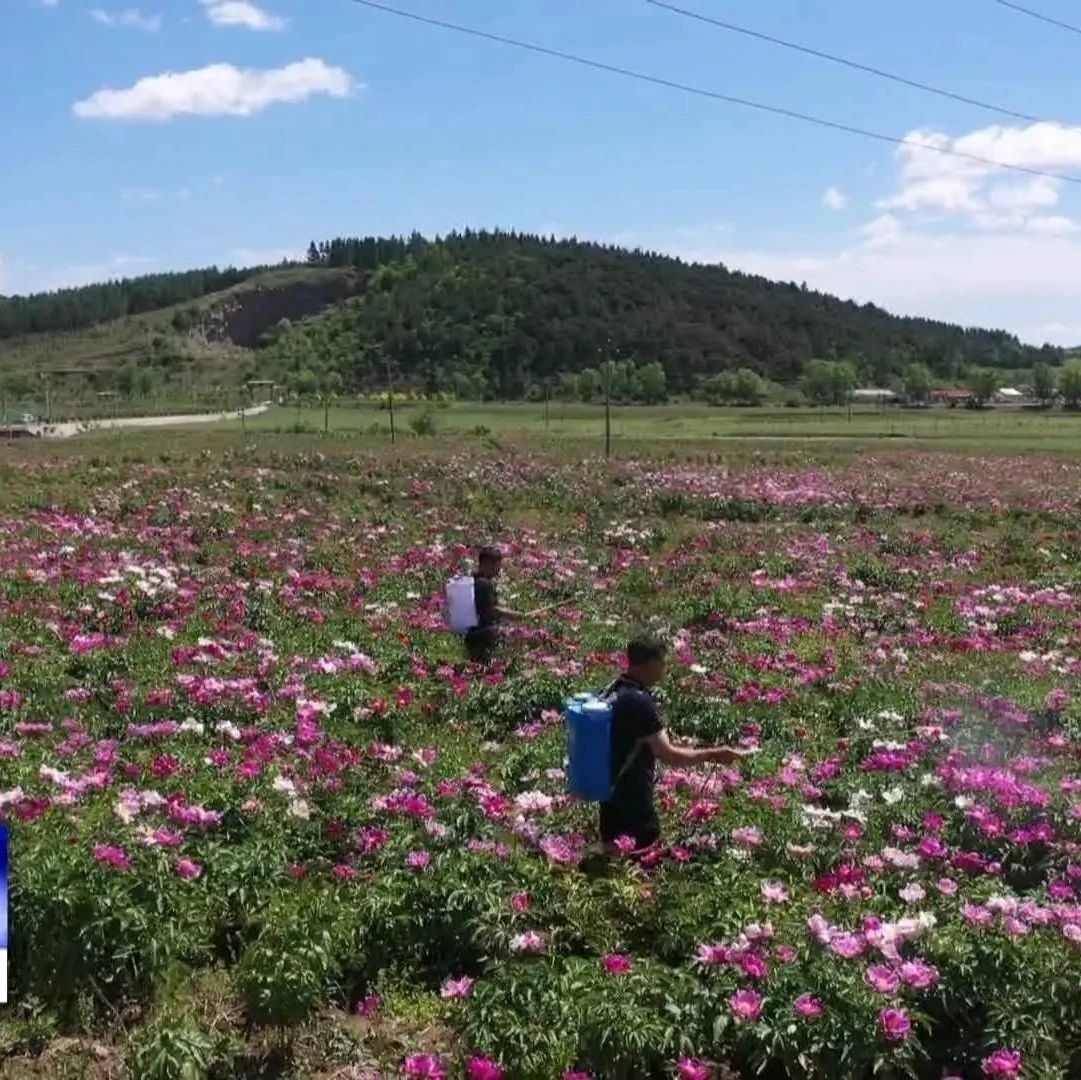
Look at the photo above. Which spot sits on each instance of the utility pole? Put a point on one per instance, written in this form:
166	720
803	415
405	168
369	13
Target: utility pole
390	399
608	401
547	396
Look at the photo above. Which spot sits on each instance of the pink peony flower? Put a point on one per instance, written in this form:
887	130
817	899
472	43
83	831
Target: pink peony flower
773	892
746	1004
482	1068
529	942
457	988
188	869
616	964
881	978
418	860
919	974
711	955
808	1007
424	1067
115	857
1002	1063
690	1069
894	1024
846	945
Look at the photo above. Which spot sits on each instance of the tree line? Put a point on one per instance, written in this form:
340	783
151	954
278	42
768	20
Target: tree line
506	315
67	310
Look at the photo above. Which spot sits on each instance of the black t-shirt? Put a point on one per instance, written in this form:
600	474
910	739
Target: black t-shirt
634	718
486	601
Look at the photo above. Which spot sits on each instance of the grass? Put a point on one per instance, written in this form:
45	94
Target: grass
636	427
1013	430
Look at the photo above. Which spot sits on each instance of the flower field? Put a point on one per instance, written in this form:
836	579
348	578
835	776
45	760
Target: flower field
264	821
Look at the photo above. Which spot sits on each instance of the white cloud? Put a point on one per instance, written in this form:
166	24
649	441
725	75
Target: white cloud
1051	225
955	240
882	230
1022	282
217	90
130	17
932	182
243	13
1039	191
834	199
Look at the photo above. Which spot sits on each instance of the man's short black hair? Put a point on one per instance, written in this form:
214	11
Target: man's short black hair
645	649
489	554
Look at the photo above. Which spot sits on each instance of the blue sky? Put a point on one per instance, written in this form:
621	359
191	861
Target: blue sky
284	121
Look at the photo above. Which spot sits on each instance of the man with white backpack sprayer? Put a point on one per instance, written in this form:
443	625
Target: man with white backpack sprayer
614	743
479	624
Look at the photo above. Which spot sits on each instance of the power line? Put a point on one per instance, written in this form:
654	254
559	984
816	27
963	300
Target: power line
728	99
1038	15
854	64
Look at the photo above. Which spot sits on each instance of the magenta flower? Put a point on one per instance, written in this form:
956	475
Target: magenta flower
808	1007
711	955
846	945
418	860
690	1069
1002	1063
746	1004
881	978
424	1067
112	856
482	1068
894	1024
616	964
188	869
919	974
457	988
369	1006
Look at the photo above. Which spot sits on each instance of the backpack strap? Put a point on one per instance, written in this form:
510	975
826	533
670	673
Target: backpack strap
608	695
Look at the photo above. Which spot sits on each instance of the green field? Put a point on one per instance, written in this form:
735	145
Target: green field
1014	430
633	427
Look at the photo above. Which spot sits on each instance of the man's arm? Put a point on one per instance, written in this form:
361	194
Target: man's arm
665	750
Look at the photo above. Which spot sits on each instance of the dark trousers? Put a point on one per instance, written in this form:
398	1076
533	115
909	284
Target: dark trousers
643	825
481	644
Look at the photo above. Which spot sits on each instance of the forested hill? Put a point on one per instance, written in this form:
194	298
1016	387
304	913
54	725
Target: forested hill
502	313
515	309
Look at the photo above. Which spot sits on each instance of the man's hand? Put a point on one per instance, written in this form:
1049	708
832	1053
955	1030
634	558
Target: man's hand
729	755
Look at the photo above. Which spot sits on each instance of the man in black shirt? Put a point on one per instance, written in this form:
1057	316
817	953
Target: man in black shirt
482	640
639	740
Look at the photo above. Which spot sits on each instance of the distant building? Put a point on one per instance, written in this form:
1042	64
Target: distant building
1009	396
951	396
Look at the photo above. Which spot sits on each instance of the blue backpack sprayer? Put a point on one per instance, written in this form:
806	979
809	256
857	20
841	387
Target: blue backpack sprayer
588	718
